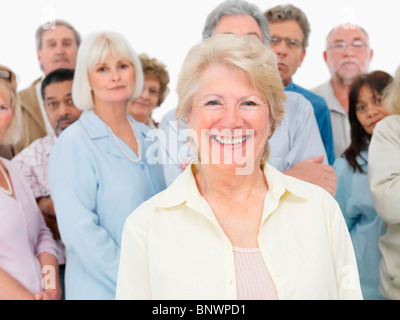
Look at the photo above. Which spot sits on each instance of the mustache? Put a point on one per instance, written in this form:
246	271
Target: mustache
66	118
61	57
353	60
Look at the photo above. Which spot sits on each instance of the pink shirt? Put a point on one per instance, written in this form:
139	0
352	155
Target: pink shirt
33	162
253	281
23	233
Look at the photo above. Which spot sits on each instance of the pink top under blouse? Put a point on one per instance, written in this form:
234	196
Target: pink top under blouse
253	281
23	233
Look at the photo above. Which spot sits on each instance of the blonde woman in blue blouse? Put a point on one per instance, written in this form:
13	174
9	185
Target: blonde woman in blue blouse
231	226
98	171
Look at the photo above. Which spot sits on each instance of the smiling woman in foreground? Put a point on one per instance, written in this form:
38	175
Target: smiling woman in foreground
231	226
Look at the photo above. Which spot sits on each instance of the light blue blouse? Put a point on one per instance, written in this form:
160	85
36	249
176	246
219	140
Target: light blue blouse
365	226
95	187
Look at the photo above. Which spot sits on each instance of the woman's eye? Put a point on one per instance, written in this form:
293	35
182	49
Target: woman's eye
249	104
212	103
360	108
378	101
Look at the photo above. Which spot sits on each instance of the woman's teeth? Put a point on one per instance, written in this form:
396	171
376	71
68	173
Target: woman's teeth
226	140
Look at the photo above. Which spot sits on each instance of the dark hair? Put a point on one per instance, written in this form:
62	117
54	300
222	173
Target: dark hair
58	75
377	81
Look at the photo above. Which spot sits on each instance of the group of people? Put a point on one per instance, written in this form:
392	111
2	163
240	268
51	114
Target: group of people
253	187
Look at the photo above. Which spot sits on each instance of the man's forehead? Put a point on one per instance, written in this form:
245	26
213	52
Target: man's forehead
238	24
347	31
61	88
60	31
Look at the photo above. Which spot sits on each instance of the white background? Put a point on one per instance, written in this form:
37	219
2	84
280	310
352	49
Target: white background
166	29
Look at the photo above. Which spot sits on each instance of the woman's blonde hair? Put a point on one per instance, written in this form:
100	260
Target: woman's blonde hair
94	50
8	91
246	53
392	94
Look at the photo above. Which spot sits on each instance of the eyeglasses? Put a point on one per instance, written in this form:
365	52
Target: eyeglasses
291	43
341	46
5	74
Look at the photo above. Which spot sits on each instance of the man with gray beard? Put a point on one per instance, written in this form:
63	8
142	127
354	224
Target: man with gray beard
347	55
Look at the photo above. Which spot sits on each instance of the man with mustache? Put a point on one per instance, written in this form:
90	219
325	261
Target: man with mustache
56	92
57	44
347	55
290	30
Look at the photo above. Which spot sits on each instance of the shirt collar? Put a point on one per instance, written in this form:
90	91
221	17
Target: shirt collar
290	86
96	128
184	189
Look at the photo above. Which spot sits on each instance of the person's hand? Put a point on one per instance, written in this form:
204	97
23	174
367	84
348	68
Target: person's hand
313	171
51	223
47	207
49	294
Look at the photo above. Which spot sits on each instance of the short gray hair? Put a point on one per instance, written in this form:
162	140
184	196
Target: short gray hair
287	13
93	50
58	22
236	7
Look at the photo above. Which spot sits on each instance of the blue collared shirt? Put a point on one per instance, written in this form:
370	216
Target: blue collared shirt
322	115
95	187
296	139
363	222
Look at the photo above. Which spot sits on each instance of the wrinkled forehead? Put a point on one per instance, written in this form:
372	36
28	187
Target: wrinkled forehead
238	24
347	33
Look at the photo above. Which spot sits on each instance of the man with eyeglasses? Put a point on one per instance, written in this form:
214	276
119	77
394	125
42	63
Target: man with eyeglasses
347	56
290	29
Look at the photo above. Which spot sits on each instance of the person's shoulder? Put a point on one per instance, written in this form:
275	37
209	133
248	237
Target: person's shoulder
391	120
28	93
312	96
342	166
321	87
145	212
297	103
296	186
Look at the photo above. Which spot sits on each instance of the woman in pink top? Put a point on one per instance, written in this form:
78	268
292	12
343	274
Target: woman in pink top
28	263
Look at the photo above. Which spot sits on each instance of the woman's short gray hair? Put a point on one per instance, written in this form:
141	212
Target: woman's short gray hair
246	53
236	7
94	50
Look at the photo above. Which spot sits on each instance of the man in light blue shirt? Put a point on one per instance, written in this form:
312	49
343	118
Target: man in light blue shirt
296	146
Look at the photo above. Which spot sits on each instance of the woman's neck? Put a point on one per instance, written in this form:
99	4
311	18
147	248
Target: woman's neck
210	180
111	113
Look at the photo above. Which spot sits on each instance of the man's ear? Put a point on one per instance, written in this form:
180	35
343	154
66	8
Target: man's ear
326	56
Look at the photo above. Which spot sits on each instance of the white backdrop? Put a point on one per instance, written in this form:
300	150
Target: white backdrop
166	29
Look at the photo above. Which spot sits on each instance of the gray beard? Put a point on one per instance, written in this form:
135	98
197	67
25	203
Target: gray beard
346	82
